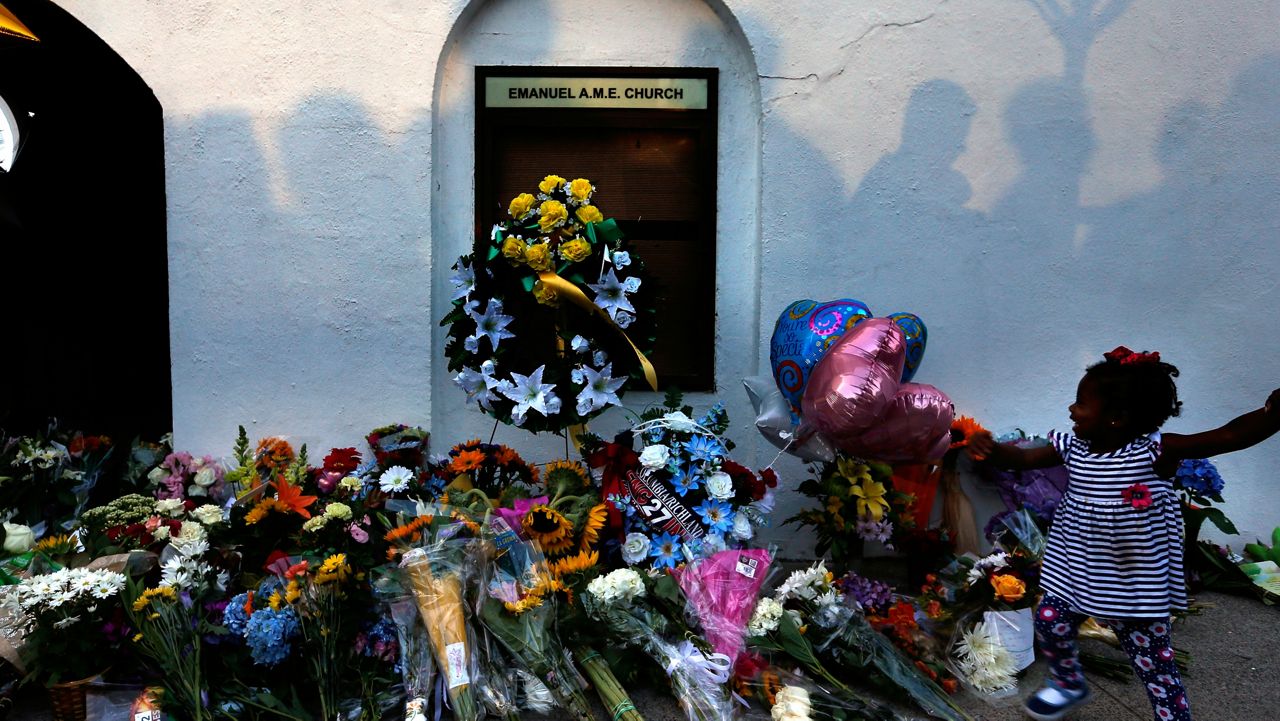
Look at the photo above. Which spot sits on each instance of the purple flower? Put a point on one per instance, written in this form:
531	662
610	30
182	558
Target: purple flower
874	596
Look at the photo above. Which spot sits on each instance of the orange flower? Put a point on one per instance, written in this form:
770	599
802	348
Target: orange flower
466	461
950	685
903	617
934	609
408	530
290	497
962	429
1008	587
506	455
274	453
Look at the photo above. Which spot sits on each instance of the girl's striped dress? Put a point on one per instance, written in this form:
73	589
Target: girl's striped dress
1107	556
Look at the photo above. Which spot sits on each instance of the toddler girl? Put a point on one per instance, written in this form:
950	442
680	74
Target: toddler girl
1115	546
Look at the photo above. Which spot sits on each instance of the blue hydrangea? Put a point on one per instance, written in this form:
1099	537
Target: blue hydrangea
1199	476
269	633
234	617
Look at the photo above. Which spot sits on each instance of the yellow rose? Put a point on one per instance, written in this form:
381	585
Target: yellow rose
589	214
538	256
580	191
520	206
1009	588
545	294
550	183
513	249
575	250
552	214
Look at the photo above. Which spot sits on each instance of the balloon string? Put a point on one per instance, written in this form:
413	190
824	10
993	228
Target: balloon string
775	458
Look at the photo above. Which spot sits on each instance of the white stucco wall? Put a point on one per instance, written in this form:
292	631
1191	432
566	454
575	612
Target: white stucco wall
1039	186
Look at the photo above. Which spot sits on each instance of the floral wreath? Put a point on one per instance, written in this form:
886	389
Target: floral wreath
548	311
682	498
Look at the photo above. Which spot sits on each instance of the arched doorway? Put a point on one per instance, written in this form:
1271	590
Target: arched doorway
82	233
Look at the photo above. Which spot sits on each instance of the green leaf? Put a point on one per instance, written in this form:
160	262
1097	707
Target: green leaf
1220	520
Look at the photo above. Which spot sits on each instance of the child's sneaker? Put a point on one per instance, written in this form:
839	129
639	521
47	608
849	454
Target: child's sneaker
1054	702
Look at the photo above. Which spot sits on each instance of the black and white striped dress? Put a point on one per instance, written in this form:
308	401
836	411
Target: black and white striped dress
1105	557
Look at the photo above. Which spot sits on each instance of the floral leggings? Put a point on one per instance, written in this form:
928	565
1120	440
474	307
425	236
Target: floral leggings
1146	640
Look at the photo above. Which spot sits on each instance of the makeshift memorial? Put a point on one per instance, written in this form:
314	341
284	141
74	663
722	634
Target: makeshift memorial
551	314
896	618
698	676
681	497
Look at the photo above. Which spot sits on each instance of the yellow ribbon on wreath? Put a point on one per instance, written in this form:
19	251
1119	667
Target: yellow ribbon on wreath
565	289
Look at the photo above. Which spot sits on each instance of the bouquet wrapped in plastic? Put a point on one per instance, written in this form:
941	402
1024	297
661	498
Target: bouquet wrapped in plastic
437	573
416	667
722	591
516	605
698	675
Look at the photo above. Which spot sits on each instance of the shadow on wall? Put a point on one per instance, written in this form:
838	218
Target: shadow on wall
308	250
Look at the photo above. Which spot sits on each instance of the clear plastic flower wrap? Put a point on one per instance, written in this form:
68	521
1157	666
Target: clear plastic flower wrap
979	658
438	574
416	665
697	674
792	696
516	605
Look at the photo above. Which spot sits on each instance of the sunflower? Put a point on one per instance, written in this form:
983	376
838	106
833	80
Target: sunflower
524	604
549	528
962	431
55	545
570	475
583	561
596	518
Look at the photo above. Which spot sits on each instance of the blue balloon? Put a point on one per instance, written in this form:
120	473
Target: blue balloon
804	331
917	335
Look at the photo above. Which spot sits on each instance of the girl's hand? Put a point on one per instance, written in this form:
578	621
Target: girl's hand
1273	403
981	444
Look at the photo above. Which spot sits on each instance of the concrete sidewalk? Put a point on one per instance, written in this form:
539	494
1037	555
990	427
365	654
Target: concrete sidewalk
1234	675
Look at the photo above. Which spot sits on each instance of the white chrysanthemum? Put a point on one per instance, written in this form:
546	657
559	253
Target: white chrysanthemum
190	547
190	531
986	565
805	584
395	478
984	662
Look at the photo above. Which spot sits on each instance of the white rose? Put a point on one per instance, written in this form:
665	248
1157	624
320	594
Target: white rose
635	549
208	514
206	477
191	531
742	529
18	538
157	474
655	456
791	704
720	486
171	507
161	533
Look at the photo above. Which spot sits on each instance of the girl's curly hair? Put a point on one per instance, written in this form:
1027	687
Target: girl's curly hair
1138	385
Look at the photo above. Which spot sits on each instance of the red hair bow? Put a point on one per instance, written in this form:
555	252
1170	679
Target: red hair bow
1124	356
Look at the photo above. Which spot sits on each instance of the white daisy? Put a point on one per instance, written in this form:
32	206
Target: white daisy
395	478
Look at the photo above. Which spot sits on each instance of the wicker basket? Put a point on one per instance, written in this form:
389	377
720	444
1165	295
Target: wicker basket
68	699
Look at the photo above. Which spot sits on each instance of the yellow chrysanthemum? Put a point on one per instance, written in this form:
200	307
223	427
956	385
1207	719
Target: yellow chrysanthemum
589	214
538	255
576	250
513	248
551	215
334	568
55	545
520	206
871	501
546	294
165	593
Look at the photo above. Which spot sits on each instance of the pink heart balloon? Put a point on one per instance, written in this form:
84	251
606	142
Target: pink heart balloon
852	385
915	427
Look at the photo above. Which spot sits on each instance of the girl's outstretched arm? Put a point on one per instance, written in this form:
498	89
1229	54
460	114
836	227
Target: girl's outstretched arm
983	447
1248	430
